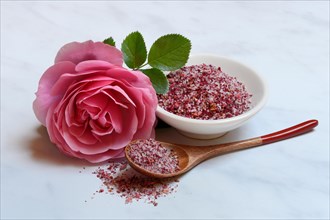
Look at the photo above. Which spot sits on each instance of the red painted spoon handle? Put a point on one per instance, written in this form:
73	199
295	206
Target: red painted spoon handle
198	154
289	132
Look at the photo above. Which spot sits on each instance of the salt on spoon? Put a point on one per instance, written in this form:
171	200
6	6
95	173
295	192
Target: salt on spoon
164	160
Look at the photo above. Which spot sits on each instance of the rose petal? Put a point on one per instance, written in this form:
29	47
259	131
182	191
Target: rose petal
44	97
99	130
120	140
140	105
57	138
116	116
97	83
78	130
92	65
118	91
89	143
67	82
77	52
132	78
54	134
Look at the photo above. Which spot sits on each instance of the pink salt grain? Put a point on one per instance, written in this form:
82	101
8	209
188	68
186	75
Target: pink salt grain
204	92
152	156
120	179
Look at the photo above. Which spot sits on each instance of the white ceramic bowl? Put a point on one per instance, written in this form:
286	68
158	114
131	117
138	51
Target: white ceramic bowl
208	129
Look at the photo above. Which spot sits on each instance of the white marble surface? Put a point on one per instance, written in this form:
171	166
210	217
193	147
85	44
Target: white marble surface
287	42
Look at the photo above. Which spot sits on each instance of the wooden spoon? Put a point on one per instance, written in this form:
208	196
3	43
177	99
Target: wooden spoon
190	156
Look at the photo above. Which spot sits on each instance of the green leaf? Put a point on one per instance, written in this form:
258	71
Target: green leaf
134	50
158	79
110	41
169	52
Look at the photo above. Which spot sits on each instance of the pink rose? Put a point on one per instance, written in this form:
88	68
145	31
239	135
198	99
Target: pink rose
91	105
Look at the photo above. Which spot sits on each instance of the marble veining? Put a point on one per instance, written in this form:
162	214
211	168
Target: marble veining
286	42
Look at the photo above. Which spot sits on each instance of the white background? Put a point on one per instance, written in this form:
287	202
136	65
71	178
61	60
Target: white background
286	42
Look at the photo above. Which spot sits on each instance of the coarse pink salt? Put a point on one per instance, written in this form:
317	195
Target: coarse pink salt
119	178
204	92
152	156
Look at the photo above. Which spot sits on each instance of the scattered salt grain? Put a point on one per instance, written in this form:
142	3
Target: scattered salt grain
119	178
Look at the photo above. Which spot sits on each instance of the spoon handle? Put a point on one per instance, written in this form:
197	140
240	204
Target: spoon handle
289	132
295	130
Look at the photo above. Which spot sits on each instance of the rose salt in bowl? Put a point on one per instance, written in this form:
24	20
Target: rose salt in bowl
208	129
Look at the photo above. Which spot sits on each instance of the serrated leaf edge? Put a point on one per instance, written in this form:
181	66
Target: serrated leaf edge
114	42
167	84
189	43
145	47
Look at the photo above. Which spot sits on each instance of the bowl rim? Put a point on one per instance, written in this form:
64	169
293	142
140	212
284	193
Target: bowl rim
247	114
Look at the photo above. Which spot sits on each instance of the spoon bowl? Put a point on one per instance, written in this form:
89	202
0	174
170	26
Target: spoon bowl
190	156
182	152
